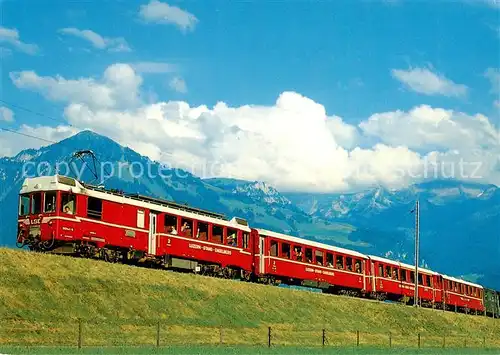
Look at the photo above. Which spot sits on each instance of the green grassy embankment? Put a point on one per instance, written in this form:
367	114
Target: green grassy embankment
43	296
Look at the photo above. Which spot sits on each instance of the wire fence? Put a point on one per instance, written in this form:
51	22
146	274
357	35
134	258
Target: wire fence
83	333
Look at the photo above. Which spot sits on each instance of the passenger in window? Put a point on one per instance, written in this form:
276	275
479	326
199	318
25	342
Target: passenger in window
394	275
231	240
330	264
186	229
299	255
294	254
358	267
67	210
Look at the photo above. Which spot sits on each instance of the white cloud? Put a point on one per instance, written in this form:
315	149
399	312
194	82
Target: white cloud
11	36
162	13
424	81
154	67
119	87
6	114
293	144
118	44
178	84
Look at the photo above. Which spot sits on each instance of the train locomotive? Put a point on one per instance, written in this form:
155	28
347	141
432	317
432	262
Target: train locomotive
59	214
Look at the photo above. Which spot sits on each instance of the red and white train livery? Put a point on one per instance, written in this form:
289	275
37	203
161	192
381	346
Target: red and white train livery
62	215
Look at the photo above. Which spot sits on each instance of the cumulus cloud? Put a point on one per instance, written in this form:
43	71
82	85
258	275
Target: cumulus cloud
162	13
178	84
11	36
424	81
293	144
6	114
118	44
119	87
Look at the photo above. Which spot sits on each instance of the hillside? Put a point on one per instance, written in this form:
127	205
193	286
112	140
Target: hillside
42	297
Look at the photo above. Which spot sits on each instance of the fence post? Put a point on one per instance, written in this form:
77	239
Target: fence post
220	334
158	335
269	337
390	339
419	340
324	337
79	333
357	337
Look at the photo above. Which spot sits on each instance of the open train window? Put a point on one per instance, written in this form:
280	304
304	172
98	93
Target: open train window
329	259
68	203
232	237
309	255
403	275
50	202
297	250
217	233
202	232
349	263
339	262
387	271
319	257
420	279
187	227
358	266
170	224
36	204
395	273
412	277
274	248
285	250
94	208
24	205
428	280
246	239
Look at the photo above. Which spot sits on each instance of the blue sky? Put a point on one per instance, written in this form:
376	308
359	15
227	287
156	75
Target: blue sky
341	54
337	53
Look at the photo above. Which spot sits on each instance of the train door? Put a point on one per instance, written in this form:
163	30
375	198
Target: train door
152	233
262	249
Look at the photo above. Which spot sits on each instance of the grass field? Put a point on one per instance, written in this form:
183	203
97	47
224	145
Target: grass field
42	298
249	350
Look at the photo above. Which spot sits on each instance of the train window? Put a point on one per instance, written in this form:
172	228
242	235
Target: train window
274	248
202	232
297	250
285	250
387	271
319	257
232	237
246	239
380	270
50	202
170	224
455	286
329	259
24	205
412	277
94	208
68	203
450	285
140	218
36	205
428	280
403	275
348	263
358	267
309	255
340	262
395	272
420	279
187	227
217	232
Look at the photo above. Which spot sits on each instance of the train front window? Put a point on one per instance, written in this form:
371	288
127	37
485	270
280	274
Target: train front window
68	203
36	206
24	205
50	202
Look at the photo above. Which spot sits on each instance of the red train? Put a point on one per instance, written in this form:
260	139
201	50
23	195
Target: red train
62	215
